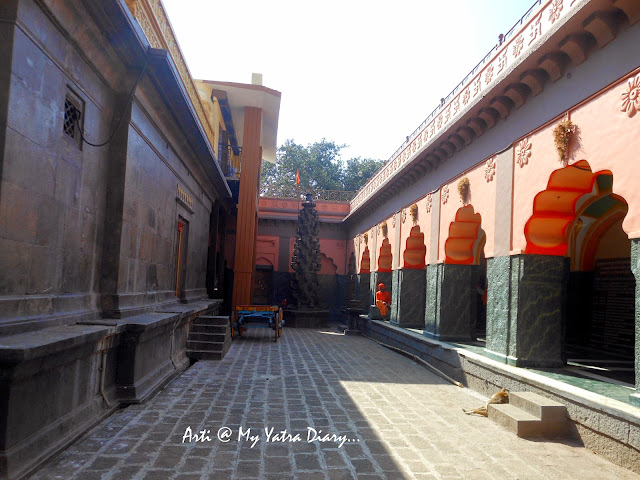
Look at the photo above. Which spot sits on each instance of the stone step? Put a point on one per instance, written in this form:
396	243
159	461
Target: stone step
515	420
209	337
218	354
209	328
205	346
213	320
528	414
543	408
205	355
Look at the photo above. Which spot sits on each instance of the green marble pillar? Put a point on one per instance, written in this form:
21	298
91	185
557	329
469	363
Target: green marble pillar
364	290
635	268
432	299
525	303
407	302
451	308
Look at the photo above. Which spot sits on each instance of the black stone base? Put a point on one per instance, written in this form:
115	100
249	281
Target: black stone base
364	290
407	303
306	318
450	313
525	310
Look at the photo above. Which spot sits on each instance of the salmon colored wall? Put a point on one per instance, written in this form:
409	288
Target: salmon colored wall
333	249
406	223
391	236
607	139
267	248
483	199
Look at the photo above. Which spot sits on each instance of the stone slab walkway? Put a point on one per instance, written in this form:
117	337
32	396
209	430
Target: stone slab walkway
393	417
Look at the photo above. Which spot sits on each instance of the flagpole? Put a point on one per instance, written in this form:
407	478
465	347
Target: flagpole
298	188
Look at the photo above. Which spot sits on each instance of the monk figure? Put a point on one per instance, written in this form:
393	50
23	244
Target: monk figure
383	300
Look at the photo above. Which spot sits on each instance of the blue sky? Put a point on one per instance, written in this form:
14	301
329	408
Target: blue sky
360	73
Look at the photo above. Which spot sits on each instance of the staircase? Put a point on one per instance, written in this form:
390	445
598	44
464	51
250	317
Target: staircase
209	338
530	415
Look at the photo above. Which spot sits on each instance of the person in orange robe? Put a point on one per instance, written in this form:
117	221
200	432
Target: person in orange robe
383	300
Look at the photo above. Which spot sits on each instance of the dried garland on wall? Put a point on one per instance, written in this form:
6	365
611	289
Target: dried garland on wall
463	189
414	212
562	136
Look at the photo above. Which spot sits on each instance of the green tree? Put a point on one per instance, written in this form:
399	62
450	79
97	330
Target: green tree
320	165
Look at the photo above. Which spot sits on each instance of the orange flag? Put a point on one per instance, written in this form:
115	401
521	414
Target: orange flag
297	177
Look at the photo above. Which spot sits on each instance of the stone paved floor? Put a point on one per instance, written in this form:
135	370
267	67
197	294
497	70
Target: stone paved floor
403	422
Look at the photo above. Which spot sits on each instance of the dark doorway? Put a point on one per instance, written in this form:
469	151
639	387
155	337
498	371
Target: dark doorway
262	285
182	242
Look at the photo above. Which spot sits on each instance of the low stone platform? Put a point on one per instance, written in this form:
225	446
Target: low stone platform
57	382
608	426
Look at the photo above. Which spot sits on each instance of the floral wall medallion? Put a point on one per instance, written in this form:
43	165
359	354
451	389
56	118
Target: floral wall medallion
393	221
445	194
490	169
523	152
429	203
404	215
631	97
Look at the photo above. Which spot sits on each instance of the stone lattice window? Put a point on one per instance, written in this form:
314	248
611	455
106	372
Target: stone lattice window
73	118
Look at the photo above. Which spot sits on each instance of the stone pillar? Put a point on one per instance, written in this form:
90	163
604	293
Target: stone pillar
635	268
363	288
525	306
432	299
407	302
451	309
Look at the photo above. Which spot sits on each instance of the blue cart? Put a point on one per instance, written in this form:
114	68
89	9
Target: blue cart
257	316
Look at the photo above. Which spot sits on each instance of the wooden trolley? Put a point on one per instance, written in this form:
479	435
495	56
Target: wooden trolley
257	316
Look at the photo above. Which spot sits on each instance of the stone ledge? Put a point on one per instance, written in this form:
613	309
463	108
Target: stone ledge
28	346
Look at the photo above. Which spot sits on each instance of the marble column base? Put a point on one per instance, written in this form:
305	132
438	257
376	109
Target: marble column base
363	289
635	268
525	302
451	308
374	313
407	304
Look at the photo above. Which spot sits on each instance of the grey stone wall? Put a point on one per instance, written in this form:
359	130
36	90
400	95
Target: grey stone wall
52	203
89	231
363	288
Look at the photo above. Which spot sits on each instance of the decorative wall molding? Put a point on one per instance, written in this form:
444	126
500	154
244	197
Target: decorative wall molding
490	169
631	96
533	27
523	152
445	194
154	21
429	202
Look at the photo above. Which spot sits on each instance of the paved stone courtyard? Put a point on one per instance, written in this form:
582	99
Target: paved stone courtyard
399	421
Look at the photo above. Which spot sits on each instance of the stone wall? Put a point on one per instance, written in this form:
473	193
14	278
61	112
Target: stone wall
92	231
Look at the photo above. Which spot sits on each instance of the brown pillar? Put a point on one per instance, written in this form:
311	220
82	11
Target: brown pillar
247	207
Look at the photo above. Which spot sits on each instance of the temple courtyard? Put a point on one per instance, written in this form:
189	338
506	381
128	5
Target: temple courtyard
316	404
